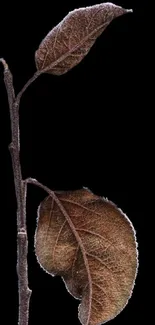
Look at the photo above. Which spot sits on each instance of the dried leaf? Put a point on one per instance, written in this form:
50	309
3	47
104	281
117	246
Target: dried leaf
88	241
69	42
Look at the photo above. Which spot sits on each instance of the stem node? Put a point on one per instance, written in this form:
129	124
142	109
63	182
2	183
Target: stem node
11	146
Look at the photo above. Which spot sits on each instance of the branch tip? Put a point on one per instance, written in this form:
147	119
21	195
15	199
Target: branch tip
5	65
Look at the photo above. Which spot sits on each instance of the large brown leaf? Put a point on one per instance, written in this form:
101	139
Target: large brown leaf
89	242
68	43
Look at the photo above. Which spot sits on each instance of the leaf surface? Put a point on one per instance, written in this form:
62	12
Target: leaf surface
88	241
69	42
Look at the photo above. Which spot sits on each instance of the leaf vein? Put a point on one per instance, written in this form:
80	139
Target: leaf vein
57	239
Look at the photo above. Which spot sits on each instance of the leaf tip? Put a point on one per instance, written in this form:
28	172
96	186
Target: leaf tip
129	10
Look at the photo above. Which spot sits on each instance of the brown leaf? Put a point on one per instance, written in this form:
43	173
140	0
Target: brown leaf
88	241
69	42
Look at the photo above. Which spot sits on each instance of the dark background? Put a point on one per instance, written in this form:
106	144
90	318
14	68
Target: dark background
85	128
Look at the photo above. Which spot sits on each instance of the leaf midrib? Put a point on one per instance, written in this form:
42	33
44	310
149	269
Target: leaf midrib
64	56
79	241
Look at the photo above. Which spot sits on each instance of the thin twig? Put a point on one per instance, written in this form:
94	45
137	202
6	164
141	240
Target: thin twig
21	193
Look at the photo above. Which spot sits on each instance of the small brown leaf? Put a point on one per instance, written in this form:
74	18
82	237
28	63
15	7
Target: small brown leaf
69	42
88	241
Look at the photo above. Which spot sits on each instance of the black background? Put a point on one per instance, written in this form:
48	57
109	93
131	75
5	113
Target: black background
84	128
